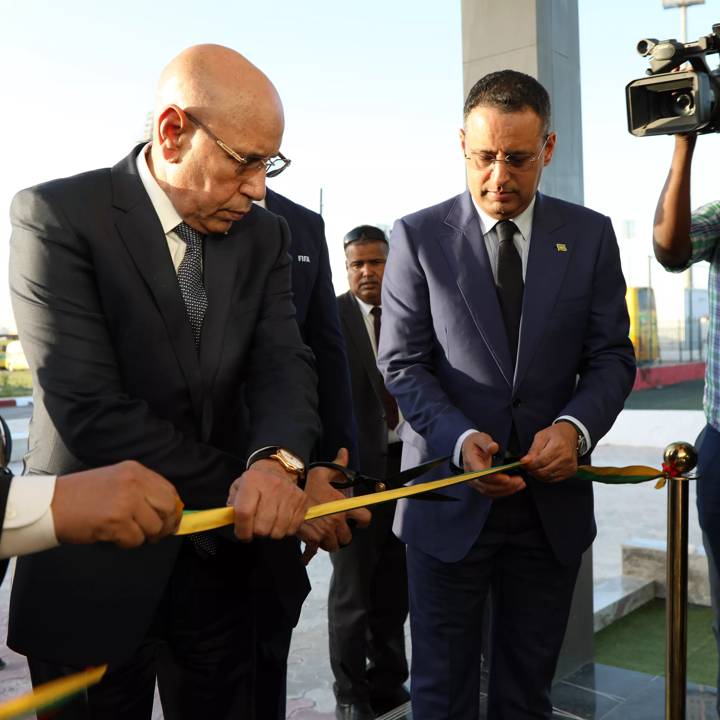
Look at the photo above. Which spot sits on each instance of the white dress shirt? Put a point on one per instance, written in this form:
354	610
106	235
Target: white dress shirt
28	523
521	240
166	212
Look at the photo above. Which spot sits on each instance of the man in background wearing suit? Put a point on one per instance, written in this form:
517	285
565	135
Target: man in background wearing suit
505	335
367	603
282	580
153	301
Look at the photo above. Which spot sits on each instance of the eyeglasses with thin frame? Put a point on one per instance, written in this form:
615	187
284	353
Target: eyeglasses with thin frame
273	166
518	161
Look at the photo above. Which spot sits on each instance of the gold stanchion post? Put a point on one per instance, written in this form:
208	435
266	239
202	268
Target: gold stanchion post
680	458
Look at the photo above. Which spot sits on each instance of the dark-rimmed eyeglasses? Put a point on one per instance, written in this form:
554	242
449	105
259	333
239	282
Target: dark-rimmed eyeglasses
514	161
273	166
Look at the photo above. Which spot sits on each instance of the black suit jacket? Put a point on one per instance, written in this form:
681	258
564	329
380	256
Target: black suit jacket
367	386
116	376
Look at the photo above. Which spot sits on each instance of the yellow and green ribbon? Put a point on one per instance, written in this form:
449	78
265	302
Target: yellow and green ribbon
618	475
202	520
51	694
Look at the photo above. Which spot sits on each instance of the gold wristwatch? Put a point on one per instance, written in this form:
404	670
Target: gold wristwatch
291	463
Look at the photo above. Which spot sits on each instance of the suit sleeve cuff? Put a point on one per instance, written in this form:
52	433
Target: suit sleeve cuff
457	452
583	432
28	524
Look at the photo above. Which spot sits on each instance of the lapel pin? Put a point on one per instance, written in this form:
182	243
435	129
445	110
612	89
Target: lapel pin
561	247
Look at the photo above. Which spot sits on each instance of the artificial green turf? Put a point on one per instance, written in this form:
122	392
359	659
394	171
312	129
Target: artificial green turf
637	642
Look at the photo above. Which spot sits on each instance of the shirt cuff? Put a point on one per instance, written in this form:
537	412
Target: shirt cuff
252	457
583	430
457	452
28	525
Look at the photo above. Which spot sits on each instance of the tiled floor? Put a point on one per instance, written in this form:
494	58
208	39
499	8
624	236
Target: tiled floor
601	692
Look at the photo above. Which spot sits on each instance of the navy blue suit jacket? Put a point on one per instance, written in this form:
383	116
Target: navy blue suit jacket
317	318
445	356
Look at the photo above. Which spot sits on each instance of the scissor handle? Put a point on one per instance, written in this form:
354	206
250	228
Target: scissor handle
350	475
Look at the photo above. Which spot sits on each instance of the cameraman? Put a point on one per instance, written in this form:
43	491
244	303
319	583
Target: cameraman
681	238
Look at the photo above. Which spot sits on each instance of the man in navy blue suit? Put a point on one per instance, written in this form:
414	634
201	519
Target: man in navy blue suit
283	582
505	334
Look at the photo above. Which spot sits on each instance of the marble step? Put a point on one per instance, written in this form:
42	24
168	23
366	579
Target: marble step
616	597
645	559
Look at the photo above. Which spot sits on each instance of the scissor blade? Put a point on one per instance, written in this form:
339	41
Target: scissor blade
434	497
415	472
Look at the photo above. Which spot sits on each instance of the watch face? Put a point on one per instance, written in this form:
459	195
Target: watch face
293	462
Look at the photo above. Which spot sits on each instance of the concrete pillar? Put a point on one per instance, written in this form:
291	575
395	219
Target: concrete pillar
540	38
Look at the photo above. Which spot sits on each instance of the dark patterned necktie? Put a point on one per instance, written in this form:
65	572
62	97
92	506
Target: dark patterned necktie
392	417
190	277
509	283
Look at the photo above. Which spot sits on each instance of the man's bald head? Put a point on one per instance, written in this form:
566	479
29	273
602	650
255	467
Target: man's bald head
220	85
218	121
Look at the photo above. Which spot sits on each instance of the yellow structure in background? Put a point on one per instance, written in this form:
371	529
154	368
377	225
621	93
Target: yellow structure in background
643	324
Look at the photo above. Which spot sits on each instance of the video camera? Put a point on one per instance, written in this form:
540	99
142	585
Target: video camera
669	102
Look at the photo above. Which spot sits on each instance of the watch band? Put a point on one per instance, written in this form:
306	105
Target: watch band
290	462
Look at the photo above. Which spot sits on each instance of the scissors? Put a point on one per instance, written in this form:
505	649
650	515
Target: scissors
354	479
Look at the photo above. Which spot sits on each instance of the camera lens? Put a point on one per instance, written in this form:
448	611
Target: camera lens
646	45
684	103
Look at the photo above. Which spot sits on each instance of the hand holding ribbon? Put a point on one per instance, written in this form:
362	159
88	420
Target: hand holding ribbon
267	502
477	454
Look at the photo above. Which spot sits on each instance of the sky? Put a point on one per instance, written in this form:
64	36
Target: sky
373	101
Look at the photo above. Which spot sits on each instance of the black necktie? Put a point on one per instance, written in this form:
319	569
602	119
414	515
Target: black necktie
392	417
190	277
509	283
